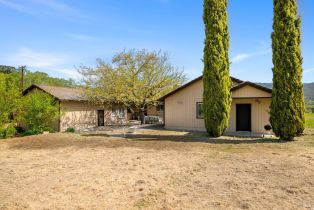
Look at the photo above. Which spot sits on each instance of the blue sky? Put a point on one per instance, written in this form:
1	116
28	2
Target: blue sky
55	36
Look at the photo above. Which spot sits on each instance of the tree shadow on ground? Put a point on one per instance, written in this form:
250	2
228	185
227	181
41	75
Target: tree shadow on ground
201	137
196	137
152	127
95	135
145	141
246	141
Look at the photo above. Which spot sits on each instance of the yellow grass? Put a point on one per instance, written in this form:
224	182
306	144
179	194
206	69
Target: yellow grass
156	170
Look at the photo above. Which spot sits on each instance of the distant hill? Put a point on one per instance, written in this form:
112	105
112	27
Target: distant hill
308	89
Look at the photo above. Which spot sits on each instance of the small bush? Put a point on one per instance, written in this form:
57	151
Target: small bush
31	132
19	129
2	133
39	111
70	130
8	132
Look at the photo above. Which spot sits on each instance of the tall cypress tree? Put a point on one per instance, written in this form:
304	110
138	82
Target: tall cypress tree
216	78
287	105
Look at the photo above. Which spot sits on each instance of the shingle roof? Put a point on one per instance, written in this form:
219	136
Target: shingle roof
60	93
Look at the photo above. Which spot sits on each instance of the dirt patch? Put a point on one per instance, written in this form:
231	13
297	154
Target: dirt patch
156	169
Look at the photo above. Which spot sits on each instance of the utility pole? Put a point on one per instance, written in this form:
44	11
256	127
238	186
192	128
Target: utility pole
22	78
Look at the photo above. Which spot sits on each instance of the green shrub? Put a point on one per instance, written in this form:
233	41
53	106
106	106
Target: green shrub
39	111
31	132
9	103
10	131
19	129
36	130
7	132
2	133
70	130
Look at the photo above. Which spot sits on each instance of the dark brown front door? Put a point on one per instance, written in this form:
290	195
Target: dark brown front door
243	117
101	117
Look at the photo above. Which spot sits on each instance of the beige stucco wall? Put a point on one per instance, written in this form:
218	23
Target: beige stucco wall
81	115
248	92
180	108
259	114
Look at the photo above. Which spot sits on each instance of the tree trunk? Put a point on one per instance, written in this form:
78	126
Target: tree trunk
142	115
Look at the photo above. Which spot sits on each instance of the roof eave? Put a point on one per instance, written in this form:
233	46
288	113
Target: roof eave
27	90
243	84
190	83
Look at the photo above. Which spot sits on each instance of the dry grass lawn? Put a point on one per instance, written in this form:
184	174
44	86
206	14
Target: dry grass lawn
156	170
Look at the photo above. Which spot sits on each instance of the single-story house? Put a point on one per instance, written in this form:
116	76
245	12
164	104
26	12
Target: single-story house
183	107
76	112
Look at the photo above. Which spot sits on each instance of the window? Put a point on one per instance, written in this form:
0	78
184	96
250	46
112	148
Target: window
118	111
160	108
199	110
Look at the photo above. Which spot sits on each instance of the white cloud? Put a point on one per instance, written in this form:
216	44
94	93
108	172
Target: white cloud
243	56
80	37
72	73
308	70
52	63
51	8
15	6
55	5
28	57
240	57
